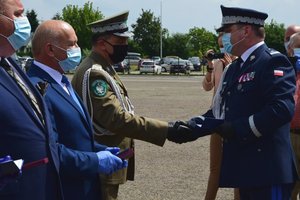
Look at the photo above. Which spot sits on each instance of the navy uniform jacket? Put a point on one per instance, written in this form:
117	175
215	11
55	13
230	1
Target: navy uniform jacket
259	101
79	163
23	136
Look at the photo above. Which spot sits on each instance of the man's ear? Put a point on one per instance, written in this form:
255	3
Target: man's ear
49	49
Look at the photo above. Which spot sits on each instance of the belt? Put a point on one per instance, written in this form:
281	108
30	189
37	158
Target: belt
295	131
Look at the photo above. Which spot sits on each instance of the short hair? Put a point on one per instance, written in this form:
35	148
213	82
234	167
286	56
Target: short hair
98	36
295	40
43	36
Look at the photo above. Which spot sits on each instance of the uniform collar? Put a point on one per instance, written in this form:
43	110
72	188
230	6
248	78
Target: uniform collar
249	51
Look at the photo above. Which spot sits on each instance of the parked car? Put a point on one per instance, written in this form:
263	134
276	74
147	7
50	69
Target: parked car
28	63
196	63
132	59
180	66
156	59
122	67
166	62
149	66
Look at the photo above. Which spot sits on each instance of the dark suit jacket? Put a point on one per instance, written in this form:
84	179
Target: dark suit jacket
23	136
259	99
79	163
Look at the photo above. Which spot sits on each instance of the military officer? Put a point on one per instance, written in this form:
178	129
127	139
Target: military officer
256	101
108	102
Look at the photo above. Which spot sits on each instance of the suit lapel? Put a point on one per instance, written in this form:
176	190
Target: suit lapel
19	94
36	71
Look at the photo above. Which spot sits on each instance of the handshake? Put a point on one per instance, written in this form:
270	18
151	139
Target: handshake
182	132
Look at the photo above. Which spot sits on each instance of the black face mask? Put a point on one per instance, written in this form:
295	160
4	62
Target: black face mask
119	52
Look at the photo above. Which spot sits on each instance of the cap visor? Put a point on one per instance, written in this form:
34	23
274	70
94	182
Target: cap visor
124	34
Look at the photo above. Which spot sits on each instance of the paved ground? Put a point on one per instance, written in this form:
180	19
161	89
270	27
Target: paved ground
172	172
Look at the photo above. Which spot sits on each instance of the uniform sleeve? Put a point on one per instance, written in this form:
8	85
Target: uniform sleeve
277	87
77	163
109	114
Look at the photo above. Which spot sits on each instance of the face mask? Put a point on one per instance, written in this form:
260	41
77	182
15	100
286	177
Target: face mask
222	50
297	54
120	52
72	60
21	35
286	44
226	40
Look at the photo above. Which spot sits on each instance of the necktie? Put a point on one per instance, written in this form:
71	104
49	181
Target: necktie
28	93
66	82
239	62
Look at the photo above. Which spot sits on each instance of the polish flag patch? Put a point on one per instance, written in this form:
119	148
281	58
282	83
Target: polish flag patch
278	73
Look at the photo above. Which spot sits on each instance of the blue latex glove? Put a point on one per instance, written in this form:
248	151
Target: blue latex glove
113	150
7	179
109	163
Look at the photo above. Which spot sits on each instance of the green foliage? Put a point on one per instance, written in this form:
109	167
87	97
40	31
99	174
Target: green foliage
178	45
147	34
274	36
79	18
32	17
202	40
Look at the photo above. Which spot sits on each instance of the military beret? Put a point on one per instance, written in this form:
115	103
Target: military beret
116	25
232	15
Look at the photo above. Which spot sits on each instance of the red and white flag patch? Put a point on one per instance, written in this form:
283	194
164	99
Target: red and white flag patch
278	73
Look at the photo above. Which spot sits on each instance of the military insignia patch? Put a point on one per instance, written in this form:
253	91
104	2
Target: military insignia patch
99	88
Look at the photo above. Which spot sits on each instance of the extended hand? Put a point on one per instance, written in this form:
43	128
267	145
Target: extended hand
109	163
180	132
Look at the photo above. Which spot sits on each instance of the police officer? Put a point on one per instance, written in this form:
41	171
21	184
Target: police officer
107	100
257	105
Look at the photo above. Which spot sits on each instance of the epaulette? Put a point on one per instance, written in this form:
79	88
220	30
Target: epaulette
97	67
272	52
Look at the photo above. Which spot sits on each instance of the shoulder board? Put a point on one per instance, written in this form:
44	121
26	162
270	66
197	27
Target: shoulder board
272	52
97	67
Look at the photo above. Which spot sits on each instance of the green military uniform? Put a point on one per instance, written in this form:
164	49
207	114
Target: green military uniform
107	100
109	114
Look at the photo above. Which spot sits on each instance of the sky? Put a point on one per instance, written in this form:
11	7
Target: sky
178	16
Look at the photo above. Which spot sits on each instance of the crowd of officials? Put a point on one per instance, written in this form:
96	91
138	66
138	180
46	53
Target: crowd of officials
71	134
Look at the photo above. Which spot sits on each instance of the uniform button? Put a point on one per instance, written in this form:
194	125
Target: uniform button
228	93
226	108
259	150
244	139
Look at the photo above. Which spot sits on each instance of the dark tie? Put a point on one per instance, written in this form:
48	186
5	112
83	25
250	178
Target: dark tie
239	61
26	90
67	83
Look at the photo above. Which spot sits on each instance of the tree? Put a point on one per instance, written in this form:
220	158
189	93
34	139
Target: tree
79	18
32	17
178	45
202	40
147	33
275	35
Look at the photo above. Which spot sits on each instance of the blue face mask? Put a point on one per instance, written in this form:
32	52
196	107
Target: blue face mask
226	40
297	54
226	37
286	44
72	60
21	35
222	50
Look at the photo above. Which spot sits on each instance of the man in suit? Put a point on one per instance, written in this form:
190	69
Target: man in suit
256	101
55	51
293	50
26	131
108	102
